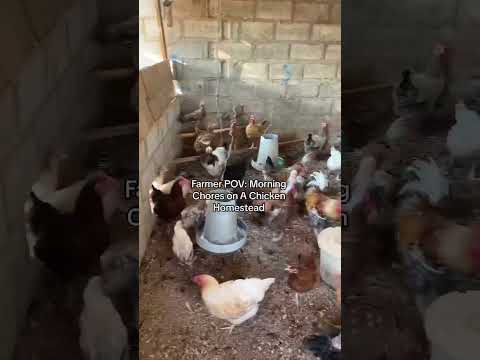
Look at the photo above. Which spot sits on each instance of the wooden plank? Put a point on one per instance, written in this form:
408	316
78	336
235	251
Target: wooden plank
216	131
235	152
369	88
111	131
114	73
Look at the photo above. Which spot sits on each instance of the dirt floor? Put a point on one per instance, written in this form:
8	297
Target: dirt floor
169	330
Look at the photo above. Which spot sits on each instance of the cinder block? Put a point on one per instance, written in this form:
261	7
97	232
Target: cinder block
319	71
256	31
274	10
257	71
8	125
32	85
307	52
333	53
329	33
231	30
232	51
186	8
189	49
223	87
173	33
337	106
316	106
257	107
336	16
271	51
311	12
284	112
236	8
208	29
242	89
197	69
151	29
307	89
330	89
270	89
293	31
193	87
284	71
147	8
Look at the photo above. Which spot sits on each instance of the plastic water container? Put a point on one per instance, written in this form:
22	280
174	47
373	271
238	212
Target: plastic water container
268	148
220	227
330	255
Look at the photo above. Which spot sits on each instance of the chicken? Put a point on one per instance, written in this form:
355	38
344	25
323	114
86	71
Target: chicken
278	214
316	142
424	88
214	162
168	205
254	131
462	143
429	182
70	244
324	347
103	334
236	170
204	139
197	115
182	246
320	181
194	215
303	277
334	162
236	300
403	128
320	204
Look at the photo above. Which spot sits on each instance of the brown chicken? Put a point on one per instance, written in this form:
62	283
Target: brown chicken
316	202
197	115
255	131
205	138
303	276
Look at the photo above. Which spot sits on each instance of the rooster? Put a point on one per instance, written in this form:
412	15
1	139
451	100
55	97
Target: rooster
255	131
103	334
182	246
236	300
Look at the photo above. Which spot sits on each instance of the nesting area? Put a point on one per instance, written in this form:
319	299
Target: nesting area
174	322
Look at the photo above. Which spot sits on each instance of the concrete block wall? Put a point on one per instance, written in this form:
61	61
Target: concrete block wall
158	144
379	43
279	58
46	96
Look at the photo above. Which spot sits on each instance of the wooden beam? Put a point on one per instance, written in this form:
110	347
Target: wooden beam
235	152
367	89
110	132
114	73
193	134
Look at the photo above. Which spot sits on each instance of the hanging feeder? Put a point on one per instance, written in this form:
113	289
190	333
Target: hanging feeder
268	148
223	232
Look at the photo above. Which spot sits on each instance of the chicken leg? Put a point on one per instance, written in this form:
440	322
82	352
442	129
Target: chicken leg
292	270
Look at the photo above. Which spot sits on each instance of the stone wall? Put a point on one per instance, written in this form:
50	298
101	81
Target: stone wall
46	95
158	145
279	58
381	38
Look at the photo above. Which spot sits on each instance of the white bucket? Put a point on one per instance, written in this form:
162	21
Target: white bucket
330	255
220	227
268	148
452	324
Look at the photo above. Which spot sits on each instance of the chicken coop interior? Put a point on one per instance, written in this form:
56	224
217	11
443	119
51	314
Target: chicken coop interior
69	135
218	81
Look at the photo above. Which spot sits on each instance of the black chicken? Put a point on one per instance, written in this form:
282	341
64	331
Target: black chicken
169	206
323	348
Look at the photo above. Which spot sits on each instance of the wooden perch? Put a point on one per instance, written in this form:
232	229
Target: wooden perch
110	132
367	89
216	131
235	152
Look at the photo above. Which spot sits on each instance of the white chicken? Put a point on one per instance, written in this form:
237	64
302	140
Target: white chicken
236	300
182	246
361	182
103	334
320	180
215	161
334	162
462	139
429	181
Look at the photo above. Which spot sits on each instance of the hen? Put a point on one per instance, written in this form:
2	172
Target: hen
254	131
103	334
205	138
182	246
197	115
334	162
236	300
214	162
303	276
168	200
316	142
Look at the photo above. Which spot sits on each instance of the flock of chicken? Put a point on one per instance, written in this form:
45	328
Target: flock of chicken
401	193
68	233
313	186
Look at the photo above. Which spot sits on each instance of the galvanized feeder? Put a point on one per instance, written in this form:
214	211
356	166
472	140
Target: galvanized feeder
223	232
